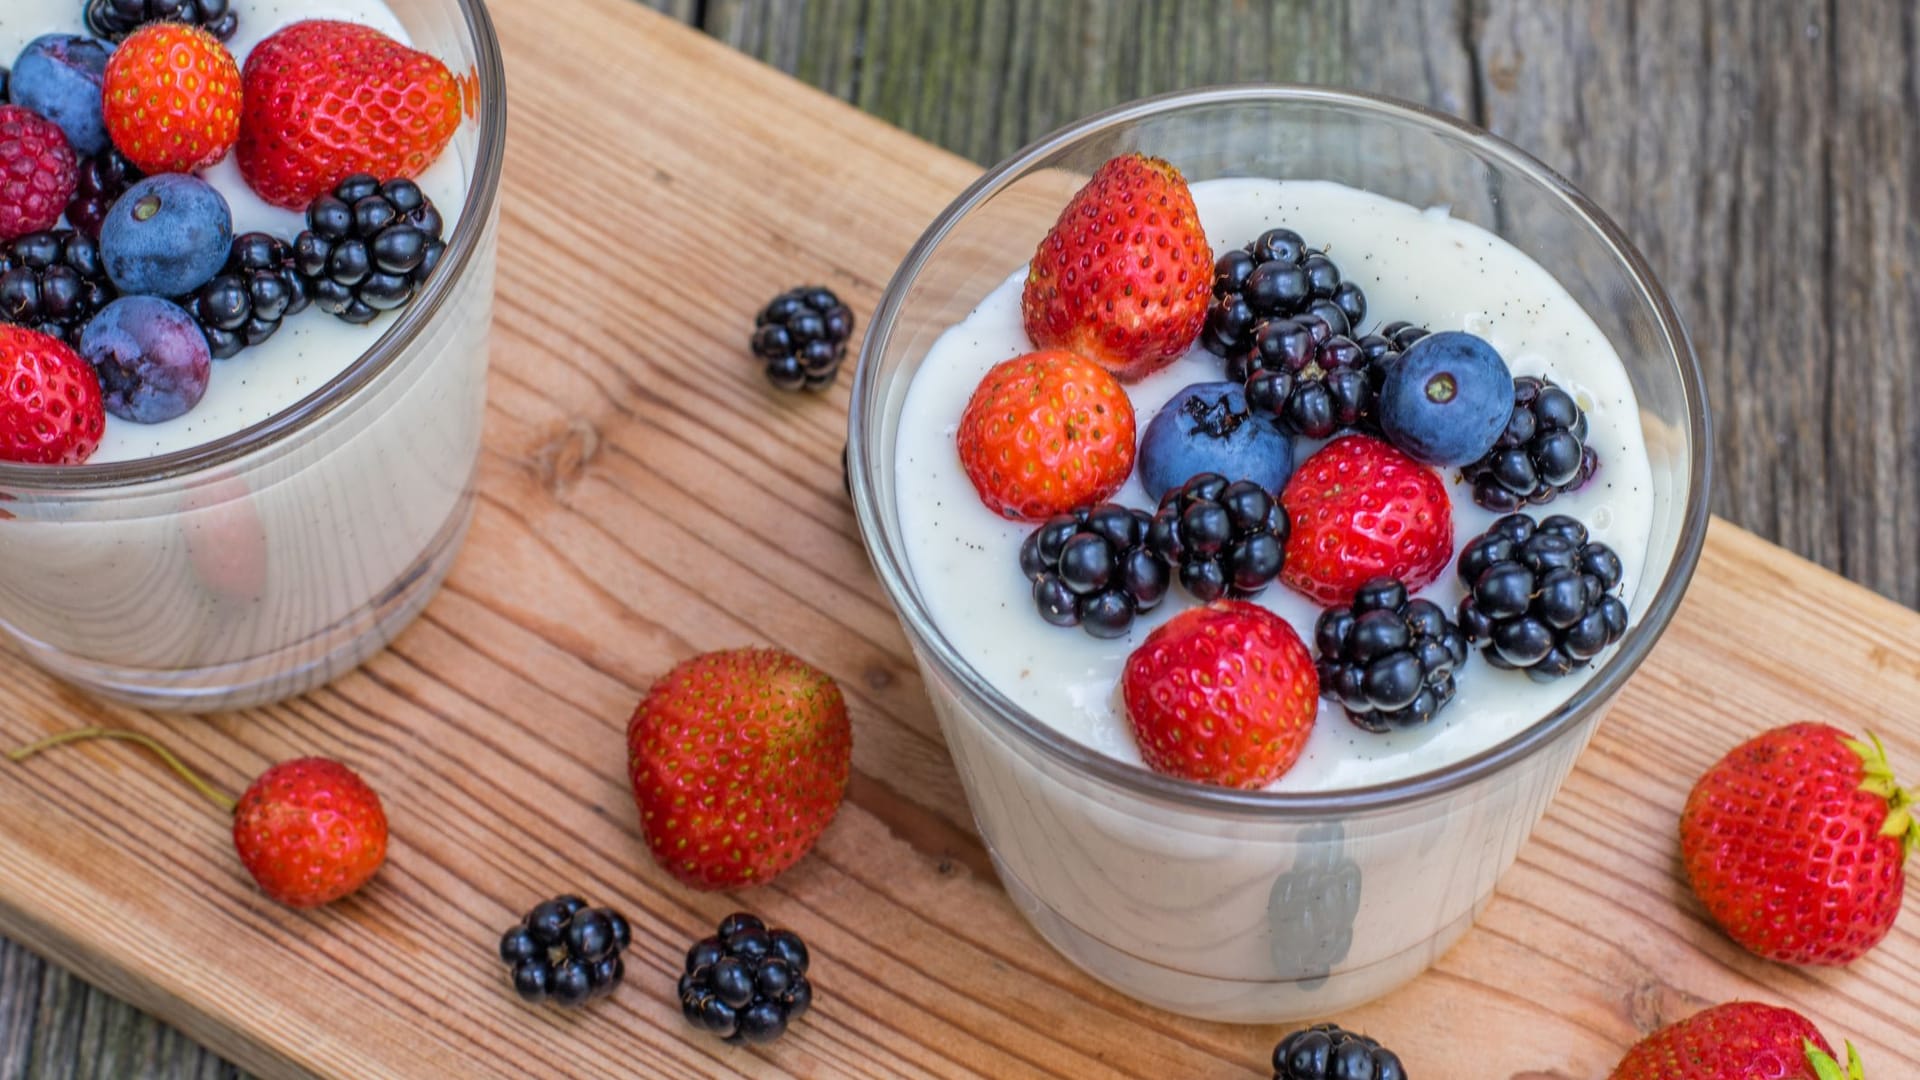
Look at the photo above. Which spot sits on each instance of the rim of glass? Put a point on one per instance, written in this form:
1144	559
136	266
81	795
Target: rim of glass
482	192
1626	658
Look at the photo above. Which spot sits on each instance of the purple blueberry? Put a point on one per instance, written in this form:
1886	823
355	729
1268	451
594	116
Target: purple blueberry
59	77
151	358
167	236
1447	400
1207	428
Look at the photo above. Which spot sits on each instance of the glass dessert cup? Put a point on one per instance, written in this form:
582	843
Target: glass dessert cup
266	563
1263	906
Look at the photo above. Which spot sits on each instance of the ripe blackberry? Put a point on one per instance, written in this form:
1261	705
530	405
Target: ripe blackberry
368	247
566	952
1226	538
802	336
746	983
1542	453
53	282
1388	660
1540	596
103	178
1314	381
244	303
1330	1052
1093	569
115	19
1276	277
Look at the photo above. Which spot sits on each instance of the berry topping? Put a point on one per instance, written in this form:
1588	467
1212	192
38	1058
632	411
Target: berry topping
1276	277
1122	277
1045	434
1315	382
103	178
368	247
746	983
1228	539
1741	1040
115	19
1388	660
1093	569
1361	510
565	952
1208	427
50	407
172	98
1540	597
1541	453
1447	399
53	282
310	831
1221	694
1330	1052
243	305
167	236
151	359
328	100
37	172
802	336
59	76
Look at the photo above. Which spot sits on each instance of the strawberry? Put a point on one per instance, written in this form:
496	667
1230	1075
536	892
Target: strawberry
51	412
1361	510
1796	841
38	172
1223	694
172	98
1741	1040
739	760
1125	275
1046	433
326	100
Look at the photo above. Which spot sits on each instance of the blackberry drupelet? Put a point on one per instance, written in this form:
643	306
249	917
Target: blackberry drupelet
53	282
103	178
115	19
566	952
368	247
1542	453
802	335
1540	597
1388	660
745	983
1274	277
1094	569
244	303
1225	538
1331	1052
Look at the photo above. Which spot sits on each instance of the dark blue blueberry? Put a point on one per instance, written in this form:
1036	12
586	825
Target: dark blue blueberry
150	356
1207	427
167	236
59	77
1447	399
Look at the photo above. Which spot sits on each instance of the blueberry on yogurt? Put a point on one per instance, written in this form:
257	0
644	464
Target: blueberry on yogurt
1447	400
166	236
151	359
59	76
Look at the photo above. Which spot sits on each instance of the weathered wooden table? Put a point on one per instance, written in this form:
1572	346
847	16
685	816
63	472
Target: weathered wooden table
1758	153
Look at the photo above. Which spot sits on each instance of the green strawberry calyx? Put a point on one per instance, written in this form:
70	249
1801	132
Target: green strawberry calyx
1828	1069
1902	821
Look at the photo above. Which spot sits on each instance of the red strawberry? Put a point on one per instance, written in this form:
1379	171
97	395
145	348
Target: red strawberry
326	100
1046	433
1796	844
51	411
1741	1040
38	173
172	98
1224	694
1361	510
1125	275
739	760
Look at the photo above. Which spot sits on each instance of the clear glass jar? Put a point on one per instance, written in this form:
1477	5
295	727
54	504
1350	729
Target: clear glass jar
1234	905
266	563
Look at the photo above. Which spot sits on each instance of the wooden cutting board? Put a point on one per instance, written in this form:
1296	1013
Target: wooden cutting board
645	496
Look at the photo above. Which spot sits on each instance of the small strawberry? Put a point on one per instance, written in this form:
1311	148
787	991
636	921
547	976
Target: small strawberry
38	172
1361	510
326	100
1223	694
1796	844
1741	1040
739	760
1125	276
1046	433
172	98
51	412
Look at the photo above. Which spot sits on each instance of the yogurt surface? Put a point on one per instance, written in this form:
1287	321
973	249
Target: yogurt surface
1418	265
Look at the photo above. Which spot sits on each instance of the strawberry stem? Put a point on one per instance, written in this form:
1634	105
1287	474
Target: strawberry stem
213	794
1902	821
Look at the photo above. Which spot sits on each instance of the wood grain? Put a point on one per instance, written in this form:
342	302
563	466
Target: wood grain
1746	158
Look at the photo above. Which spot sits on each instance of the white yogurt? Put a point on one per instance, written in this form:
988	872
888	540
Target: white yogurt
1418	265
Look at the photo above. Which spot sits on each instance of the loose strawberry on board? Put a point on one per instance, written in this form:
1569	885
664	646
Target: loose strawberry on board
1046	433
326	100
51	411
1741	1040
1223	694
1125	275
172	98
1361	510
38	172
739	760
1796	844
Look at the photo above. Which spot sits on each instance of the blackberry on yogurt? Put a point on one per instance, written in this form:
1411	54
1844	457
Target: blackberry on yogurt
1276	276
245	302
1541	597
1225	538
1388	660
1542	453
115	19
1313	381
102	178
368	247
1095	569
747	982
53	282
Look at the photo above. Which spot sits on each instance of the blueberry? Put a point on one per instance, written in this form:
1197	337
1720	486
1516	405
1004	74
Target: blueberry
1447	400
167	236
1207	427
59	76
151	358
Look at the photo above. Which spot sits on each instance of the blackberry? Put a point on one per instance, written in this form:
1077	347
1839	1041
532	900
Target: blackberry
368	247
53	282
115	19
1542	453
1388	660
103	177
802	335
746	983
1276	276
1226	538
1094	569
244	303
1540	597
1316	381
566	952
1331	1052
